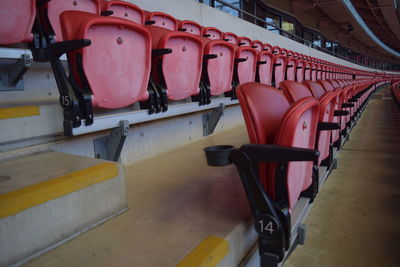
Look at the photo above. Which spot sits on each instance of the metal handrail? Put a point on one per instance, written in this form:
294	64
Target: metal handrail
295	37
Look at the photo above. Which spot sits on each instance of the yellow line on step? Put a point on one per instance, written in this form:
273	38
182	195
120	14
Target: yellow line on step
18	112
208	253
14	202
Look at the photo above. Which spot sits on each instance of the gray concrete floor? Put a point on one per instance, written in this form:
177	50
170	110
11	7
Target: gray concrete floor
355	220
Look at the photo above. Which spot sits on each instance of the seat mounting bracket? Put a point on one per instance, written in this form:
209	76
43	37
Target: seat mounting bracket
11	79
211	119
110	147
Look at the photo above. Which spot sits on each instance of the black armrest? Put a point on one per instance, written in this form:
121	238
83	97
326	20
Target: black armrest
240	59
347	105
150	22
160	52
352	100
209	56
274	153
55	50
325	126
107	13
261	62
182	29
340	113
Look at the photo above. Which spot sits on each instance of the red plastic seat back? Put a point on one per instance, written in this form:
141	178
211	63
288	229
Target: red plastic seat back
125	10
300	70
335	84
279	69
56	7
327	85
316	88
307	70
246	71
190	27
244	41
319	71
271	120
314	71
230	37
265	67
324	72
16	20
276	50
107	63
162	20
294	91
220	69
291	65
257	45
267	47
212	33
181	69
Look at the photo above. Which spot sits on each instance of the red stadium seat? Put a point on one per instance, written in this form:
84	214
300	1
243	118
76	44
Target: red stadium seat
218	67
178	71
245	67
279	71
276	169
265	61
230	38
300	68
16	21
212	33
190	27
267	47
126	83
125	10
257	45
271	120
54	8
295	91
161	20
244	41
291	66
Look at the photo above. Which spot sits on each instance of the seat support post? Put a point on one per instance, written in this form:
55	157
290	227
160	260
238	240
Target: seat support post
110	147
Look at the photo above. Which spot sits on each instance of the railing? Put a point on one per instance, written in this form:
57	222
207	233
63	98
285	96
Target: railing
297	38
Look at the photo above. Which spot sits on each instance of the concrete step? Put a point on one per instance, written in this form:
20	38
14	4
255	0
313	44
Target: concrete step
181	212
51	197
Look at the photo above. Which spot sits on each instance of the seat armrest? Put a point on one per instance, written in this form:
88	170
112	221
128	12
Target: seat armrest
275	153
340	113
325	126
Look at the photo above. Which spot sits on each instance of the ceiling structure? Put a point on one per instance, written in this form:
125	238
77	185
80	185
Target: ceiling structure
334	21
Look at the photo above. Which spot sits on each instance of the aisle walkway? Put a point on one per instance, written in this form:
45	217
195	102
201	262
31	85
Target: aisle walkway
356	218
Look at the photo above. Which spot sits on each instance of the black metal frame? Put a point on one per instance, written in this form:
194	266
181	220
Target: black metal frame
272	217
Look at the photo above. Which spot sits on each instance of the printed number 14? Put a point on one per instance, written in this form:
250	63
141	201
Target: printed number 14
269	227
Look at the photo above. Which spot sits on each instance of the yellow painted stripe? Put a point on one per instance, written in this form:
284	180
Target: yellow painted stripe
25	198
209	252
18	112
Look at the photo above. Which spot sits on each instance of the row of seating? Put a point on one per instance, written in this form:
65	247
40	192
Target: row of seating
119	54
395	86
293	133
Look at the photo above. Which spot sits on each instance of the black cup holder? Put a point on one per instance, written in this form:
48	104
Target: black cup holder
218	155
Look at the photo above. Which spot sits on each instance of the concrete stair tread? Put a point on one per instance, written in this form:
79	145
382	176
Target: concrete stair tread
41	167
181	211
49	197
